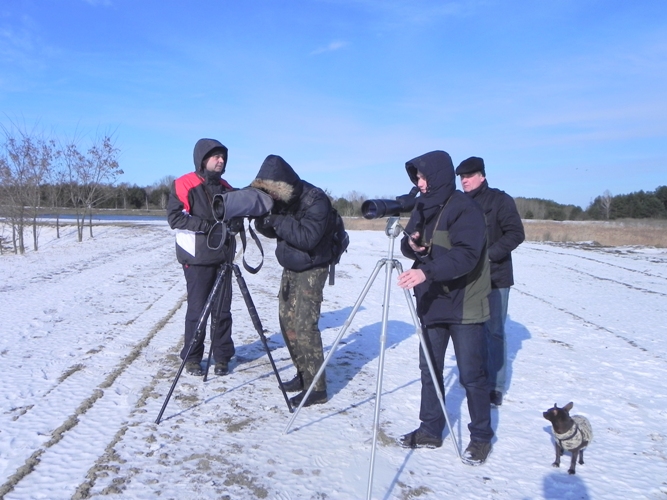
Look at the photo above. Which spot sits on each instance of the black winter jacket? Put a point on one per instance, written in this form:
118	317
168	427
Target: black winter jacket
504	231
189	211
302	219
456	266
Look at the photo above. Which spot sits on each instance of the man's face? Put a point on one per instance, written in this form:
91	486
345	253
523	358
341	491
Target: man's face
422	184
470	182
215	163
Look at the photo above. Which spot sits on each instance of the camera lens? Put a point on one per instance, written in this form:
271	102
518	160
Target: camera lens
375	209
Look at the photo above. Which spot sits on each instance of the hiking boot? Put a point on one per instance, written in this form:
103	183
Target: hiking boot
315	398
294	385
419	439
194	368
221	367
496	398
476	453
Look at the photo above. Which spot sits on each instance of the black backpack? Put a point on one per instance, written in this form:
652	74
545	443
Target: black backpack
339	243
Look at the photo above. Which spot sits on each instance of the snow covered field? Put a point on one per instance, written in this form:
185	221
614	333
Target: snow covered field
89	348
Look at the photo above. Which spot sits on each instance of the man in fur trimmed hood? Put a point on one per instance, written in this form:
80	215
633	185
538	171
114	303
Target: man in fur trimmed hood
302	222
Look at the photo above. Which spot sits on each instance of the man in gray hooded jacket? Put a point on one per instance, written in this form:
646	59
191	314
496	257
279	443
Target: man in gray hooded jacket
189	212
302	222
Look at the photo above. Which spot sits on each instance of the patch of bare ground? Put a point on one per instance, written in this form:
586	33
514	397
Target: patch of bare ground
639	232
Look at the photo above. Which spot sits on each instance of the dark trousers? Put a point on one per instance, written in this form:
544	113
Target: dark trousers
469	347
200	281
496	364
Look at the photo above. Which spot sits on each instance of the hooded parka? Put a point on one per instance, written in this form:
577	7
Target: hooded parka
301	220
189	209
452	227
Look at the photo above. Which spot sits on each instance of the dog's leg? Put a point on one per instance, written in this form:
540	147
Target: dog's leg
573	462
559	452
581	457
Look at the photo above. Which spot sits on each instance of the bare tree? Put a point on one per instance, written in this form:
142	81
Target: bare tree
123	188
87	175
13	179
56	179
163	187
27	159
356	199
605	203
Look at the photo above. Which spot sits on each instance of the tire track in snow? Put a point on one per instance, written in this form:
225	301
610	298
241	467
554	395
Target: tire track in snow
77	266
616	282
552	251
587	322
70	424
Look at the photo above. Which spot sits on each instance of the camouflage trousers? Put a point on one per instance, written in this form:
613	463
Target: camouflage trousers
299	304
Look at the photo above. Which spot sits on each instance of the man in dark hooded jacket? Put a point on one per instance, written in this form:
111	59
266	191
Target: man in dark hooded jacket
199	250
450	277
504	231
302	223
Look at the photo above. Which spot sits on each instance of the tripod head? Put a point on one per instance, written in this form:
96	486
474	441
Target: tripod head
393	228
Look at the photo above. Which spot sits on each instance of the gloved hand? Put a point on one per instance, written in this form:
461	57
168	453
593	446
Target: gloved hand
205	226
235	225
269	220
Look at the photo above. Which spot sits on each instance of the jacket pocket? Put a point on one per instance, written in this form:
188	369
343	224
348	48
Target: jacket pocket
292	258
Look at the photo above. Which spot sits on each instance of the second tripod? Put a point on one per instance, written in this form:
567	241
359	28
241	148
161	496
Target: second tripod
215	298
392	230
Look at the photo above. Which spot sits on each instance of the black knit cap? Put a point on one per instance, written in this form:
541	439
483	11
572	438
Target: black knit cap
470	166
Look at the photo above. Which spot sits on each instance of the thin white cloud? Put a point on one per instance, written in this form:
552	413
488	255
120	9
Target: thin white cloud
332	47
102	3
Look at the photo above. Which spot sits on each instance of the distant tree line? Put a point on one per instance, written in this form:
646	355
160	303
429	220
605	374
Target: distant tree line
45	175
637	205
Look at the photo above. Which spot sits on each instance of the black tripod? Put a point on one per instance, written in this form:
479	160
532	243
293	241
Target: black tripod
392	230
216	297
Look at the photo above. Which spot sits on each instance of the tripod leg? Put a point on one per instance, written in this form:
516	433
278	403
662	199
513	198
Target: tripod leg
201	324
346	325
260	330
216	313
427	355
378	387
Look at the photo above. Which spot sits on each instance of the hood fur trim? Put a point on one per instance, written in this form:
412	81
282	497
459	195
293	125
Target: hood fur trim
279	190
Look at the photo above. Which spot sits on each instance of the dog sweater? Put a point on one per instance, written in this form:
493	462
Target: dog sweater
581	431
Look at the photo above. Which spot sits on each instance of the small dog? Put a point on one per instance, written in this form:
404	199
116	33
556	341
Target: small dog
570	433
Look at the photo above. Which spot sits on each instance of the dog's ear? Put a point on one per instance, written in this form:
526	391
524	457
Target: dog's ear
568	406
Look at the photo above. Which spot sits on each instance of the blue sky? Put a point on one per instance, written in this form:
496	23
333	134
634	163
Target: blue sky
562	99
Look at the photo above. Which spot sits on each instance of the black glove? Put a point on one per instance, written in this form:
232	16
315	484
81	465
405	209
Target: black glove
235	225
270	220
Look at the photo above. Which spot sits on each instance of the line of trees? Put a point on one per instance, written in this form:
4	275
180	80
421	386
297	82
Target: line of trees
44	175
637	205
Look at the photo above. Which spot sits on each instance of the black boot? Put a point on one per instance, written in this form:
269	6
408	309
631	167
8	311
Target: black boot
315	398
194	368
221	367
496	398
294	385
